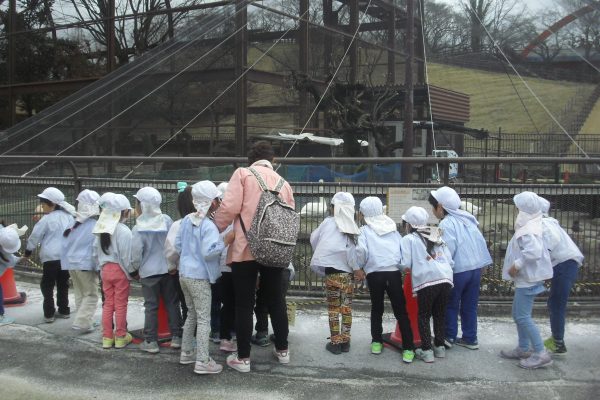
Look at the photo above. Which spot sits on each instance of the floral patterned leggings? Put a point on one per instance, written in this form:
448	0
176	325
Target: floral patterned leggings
340	289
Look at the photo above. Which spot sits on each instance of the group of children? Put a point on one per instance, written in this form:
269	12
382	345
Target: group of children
445	265
188	256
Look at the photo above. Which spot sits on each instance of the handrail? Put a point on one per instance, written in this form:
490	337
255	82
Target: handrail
312	160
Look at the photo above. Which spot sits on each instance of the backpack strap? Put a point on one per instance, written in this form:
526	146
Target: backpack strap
259	178
279	185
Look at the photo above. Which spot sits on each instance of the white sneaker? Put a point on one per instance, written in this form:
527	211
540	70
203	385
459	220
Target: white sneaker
239	365
536	360
425	355
209	367
187	357
439	352
228	345
282	355
176	342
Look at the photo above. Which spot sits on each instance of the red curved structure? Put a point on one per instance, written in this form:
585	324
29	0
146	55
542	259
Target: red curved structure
555	27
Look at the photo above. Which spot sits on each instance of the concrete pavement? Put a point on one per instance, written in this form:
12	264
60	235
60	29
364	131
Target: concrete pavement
51	361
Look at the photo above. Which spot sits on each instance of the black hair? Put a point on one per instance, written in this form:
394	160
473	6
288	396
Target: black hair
261	150
67	232
428	243
185	202
49	203
434	203
105	242
2	257
106	239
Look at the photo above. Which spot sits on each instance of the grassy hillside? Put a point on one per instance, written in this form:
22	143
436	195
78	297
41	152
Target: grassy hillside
494	102
592	123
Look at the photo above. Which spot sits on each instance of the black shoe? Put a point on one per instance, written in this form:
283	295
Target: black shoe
345	347
259	340
333	348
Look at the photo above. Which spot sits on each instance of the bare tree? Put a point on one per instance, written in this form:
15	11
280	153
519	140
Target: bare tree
584	32
135	35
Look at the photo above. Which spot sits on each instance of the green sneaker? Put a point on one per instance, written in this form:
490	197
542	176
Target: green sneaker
107	343
408	356
123	341
550	344
376	348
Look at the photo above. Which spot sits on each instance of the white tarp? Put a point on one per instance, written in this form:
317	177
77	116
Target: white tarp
329	141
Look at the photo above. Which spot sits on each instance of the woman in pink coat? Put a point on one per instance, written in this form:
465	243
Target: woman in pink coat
241	201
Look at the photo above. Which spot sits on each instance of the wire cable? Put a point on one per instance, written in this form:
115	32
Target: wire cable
330	82
437	166
110	80
264	54
526	84
141	99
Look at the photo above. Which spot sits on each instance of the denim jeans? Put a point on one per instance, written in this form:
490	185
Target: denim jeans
521	311
464	299
565	275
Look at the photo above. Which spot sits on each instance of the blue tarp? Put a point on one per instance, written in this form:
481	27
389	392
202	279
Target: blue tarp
313	173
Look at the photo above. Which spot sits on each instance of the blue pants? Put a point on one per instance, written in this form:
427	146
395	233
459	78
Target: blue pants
521	311
565	275
464	298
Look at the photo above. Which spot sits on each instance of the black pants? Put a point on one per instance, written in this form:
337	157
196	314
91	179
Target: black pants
54	275
261	309
244	284
390	282
215	306
432	302
227	312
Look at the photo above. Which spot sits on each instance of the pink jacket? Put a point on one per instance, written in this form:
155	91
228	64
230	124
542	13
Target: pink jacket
241	198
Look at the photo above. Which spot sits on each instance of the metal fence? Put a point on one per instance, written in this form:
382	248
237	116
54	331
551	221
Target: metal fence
577	207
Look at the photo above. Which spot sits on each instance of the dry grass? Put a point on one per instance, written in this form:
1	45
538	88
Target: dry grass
495	104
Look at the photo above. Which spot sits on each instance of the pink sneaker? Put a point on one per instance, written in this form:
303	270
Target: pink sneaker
209	367
228	345
239	365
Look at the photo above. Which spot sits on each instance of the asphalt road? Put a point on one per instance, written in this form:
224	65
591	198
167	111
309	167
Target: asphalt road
50	361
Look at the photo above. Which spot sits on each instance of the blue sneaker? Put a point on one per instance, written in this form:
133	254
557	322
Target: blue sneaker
469	345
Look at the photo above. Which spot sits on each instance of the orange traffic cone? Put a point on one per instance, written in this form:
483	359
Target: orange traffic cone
395	339
11	296
164	333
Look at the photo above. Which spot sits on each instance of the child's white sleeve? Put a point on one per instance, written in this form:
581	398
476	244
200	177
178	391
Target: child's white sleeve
531	250
171	253
406	252
37	234
315	236
361	253
212	244
124	244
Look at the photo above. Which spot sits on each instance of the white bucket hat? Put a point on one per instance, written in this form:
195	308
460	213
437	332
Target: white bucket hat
372	209
87	205
57	197
112	205
544	205
343	212
149	195
417	217
9	240
450	201
151	218
222	188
